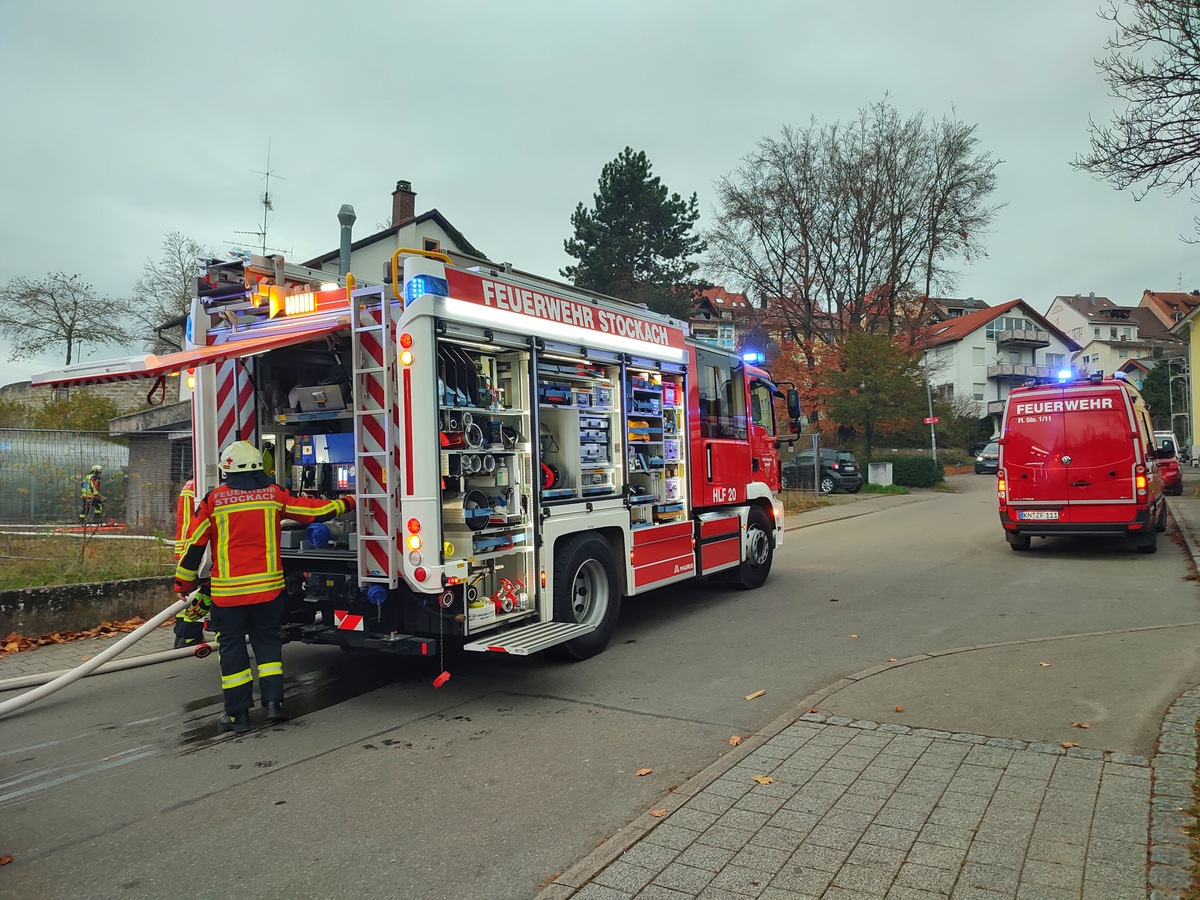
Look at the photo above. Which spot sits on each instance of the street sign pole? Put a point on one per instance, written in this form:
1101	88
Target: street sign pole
931	420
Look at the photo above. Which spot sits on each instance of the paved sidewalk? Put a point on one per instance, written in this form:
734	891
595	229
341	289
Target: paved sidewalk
54	657
818	805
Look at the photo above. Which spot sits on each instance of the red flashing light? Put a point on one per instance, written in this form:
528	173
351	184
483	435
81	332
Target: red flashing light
414	525
406	340
420	574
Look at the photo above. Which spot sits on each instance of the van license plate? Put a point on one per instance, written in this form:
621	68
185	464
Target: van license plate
1037	515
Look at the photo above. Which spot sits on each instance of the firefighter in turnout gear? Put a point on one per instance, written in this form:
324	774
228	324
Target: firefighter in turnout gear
240	523
189	622
91	501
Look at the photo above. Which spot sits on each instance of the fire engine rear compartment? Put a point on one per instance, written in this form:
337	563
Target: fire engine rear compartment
610	457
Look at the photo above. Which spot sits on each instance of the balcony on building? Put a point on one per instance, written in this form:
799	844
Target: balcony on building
996	407
1018	372
1022	337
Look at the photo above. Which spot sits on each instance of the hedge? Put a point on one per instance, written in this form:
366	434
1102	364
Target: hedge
917	471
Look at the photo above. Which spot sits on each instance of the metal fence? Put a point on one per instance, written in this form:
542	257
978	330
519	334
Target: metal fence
42	473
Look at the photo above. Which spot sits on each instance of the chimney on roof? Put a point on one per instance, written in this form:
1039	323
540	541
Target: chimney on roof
1092	298
404	203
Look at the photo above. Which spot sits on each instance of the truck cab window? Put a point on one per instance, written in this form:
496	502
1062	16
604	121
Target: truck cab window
762	409
722	396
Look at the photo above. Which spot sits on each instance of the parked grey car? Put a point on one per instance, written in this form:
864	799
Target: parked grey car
839	471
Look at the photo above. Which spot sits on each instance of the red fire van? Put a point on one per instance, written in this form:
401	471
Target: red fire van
1078	458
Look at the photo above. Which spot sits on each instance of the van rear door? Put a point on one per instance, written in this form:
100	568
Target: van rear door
1072	447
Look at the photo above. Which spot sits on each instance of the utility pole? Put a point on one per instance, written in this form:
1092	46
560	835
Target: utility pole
929	397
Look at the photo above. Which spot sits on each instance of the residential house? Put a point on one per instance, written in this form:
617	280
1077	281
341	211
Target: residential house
975	359
1110	335
1170	307
718	315
1188	329
943	308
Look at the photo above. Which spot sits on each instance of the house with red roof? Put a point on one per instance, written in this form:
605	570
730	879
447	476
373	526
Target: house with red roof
718	315
976	358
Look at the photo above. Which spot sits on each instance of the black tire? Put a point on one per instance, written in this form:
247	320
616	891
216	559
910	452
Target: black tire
585	591
1148	542
1161	524
828	485
1019	543
760	551
854	490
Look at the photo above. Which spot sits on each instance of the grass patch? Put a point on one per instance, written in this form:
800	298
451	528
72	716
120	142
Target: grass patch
884	489
801	501
44	560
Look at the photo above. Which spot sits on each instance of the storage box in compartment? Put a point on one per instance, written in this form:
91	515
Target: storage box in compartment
670	394
672	488
671	451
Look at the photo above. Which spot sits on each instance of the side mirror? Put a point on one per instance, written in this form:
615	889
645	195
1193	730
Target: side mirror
793	404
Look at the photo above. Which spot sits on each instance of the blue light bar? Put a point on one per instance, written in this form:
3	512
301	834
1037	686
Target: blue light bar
754	356
1064	374
419	285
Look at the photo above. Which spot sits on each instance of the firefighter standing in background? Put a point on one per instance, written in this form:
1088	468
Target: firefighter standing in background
240	520
90	499
189	621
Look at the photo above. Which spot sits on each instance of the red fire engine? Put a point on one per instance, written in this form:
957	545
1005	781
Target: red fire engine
523	454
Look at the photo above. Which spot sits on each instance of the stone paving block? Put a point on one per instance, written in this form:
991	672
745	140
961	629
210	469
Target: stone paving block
864	787
847	762
705	856
937	856
742	818
695	819
861	803
1024	797
840	817
926	878
800	882
952	799
1052	874
671	836
762	802
649	856
1117	872
1170	856
818	857
987	878
835	775
729	838
707	801
624	877
873	855
779	838
807	803
738	881
862	723
1006	856
900	818
956	818
1119	831
946	835
1044	892
733	786
887	836
763	859
973	892
1167	877
921	804
794	820
1132	853
659	892
835	838
1100	890
930	733
1058	852
1138	765
679	877
871	881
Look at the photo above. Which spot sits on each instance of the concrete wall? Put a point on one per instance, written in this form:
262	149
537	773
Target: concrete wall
31	612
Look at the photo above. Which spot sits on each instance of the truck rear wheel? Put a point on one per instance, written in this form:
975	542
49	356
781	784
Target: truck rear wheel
1017	542
585	591
1161	524
760	551
1148	542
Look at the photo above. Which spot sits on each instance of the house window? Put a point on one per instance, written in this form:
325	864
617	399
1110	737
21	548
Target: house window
429	245
725	336
1055	360
1123	353
977	356
1095	332
946	392
977	391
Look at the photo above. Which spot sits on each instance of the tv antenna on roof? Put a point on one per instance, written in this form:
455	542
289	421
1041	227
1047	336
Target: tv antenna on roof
268	208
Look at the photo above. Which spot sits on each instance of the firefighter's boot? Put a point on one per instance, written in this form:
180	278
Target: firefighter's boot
238	724
188	634
275	713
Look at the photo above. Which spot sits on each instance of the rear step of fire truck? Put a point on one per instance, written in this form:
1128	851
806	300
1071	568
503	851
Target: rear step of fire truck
531	638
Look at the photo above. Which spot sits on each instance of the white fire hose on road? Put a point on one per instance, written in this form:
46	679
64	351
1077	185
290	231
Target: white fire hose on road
55	681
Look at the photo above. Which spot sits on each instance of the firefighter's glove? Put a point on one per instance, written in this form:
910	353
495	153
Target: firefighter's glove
349	501
197	610
183	588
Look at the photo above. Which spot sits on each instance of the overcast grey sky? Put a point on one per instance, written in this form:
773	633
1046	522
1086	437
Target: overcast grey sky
125	120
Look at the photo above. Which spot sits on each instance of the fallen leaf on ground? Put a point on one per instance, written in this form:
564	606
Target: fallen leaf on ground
755	695
813	709
84	658
1044	664
1068	744
899	709
15	643
641	772
5	859
891	659
854	635
764	779
1081	724
658	813
735	740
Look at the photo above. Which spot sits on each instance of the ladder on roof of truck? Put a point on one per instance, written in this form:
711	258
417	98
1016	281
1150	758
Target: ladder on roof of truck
377	512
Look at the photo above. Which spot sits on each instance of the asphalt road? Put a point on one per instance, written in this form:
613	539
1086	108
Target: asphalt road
384	787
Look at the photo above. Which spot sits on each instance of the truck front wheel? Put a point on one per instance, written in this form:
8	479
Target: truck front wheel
585	591
760	551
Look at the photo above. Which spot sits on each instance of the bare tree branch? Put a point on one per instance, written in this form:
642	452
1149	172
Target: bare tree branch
59	309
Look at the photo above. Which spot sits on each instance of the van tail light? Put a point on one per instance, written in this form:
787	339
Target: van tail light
1139	481
1002	489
